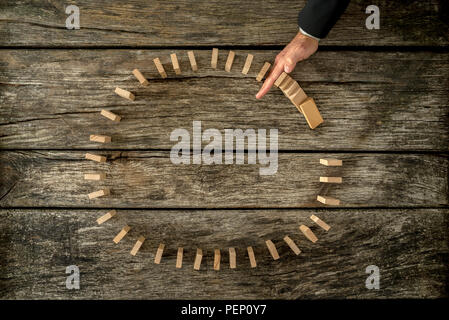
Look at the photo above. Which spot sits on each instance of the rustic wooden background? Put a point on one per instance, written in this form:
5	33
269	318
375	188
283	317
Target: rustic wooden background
384	95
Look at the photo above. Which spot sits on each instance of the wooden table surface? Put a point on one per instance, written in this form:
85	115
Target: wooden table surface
384	95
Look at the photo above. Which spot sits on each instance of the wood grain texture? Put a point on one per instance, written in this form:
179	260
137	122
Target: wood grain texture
211	22
369	100
410	247
151	180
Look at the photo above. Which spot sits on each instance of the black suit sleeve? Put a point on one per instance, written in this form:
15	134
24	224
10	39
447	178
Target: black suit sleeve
319	16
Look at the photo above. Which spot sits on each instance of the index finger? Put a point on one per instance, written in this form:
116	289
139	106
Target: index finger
269	81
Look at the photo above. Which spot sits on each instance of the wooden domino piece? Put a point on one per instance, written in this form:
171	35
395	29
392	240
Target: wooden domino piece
100	138
160	67
217	258
124	94
158	256
179	258
232	258
248	62
175	63
95	176
263	71
106	216
331	179
320	222
94	157
121	234
99	193
281	78
272	248
214	58
328	200
291	89
229	61
311	113
137	245
143	81
295	93
287	82
252	258
292	245
192	60
198	258
331	162
110	115
308	233
298	97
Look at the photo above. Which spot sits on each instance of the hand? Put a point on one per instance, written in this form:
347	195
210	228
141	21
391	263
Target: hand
300	48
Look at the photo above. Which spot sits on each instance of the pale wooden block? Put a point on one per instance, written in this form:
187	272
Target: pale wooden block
287	82
143	81
214	58
281	78
121	234
298	98
106	217
295	93
308	233
311	113
198	258
158	256
331	179
328	200
160	67
232	258
94	157
137	245
292	245
320	222
192	60
263	71
179	258
100	138
99	193
175	63
252	258
217	258
291	89
272	248
248	62
95	176
229	61
331	162
124	94
110	115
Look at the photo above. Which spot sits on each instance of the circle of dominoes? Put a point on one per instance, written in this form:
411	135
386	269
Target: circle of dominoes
292	91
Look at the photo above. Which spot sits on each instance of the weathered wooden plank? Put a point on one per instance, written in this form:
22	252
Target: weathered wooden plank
210	22
410	247
369	100
151	180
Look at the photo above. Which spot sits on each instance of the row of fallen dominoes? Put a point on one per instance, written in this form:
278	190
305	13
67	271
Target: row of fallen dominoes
289	87
232	254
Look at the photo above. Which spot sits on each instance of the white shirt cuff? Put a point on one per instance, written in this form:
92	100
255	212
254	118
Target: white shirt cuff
306	34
